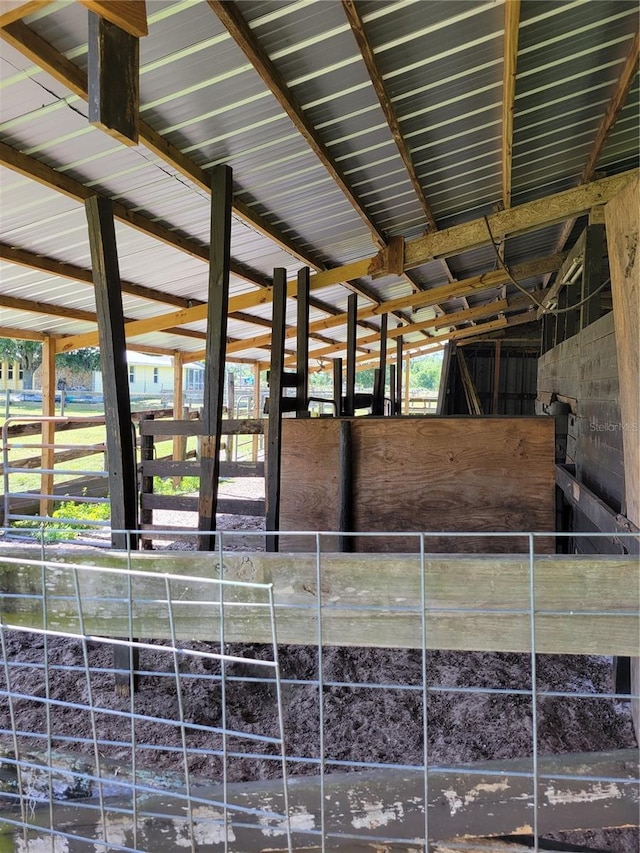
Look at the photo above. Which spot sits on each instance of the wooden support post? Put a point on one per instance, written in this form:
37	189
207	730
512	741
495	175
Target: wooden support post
345	486
572	318
255	439
380	386
352	316
218	301
561	319
548	329
121	452
592	274
623	234
48	428
496	377
113	79
393	389
337	385
146	482
302	345
399	376
179	441
274	433
407	384
231	413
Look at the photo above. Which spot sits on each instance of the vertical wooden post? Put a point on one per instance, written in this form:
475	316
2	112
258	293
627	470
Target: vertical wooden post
113	79
345	486
302	345
623	232
560	324
121	451
592	274
215	348
399	345
337	385
274	434
255	439
123	487
48	428
179	441
407	383
146	483
392	389
380	386
496	378
231	413
572	318
548	331
352	316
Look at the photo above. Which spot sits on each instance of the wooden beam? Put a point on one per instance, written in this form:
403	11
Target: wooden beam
45	175
302	343
217	308
583	604
15	10
128	15
48	427
113	75
618	99
21	334
349	399
179	442
115	375
273	453
511	31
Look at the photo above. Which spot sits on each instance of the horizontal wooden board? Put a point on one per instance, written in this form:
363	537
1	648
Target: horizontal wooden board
583	605
424	474
189	503
176	468
249	426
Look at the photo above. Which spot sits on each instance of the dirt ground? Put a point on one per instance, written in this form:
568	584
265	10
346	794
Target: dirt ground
362	723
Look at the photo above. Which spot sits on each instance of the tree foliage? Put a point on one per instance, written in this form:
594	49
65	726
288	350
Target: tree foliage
80	359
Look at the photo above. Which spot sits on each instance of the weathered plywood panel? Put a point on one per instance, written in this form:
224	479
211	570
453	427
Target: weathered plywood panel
424	474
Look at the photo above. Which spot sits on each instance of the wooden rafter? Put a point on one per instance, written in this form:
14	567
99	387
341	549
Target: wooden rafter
450	241
129	15
357	27
15	10
232	19
615	105
511	29
39	51
20	334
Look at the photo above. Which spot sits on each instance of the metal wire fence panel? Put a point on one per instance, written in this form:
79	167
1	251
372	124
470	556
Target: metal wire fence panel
242	743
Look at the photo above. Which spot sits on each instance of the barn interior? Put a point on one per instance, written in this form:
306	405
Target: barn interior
307	186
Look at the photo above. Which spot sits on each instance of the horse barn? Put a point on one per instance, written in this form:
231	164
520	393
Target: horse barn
373	629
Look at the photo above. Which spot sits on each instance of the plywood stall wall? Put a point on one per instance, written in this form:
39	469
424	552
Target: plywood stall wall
422	474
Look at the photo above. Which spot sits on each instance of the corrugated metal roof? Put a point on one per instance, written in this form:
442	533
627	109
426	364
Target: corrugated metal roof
442	64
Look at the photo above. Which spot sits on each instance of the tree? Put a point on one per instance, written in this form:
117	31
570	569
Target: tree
27	353
80	360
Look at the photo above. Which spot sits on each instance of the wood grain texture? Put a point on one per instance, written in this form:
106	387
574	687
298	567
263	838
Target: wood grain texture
424	474
473	602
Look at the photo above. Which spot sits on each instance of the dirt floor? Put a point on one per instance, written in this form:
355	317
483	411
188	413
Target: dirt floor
361	723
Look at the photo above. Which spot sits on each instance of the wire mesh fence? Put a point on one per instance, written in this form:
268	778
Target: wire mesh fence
282	714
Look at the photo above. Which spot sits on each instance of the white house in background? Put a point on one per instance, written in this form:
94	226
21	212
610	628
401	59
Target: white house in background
153	374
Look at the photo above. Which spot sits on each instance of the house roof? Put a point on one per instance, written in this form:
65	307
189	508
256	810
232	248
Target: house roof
292	96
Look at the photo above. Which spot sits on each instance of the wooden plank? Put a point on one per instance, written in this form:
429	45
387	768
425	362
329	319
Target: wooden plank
623	235
458	457
276	386
345	485
15	10
113	78
189	503
48	428
302	344
129	15
231	426
510	52
474	602
146	482
115	376
352	313
189	468
218	306
488	798
598	512
337	385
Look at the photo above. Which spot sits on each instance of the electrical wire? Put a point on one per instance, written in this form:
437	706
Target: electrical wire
544	308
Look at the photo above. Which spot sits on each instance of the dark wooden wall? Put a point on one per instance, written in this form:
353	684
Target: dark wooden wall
584	370
422	474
